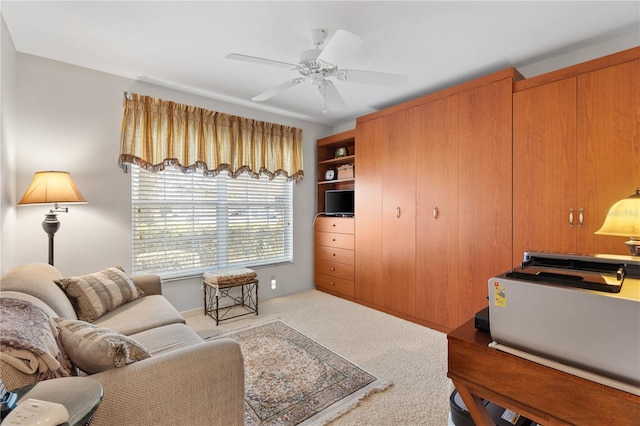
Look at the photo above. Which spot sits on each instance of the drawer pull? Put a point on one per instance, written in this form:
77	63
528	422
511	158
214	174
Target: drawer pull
333	239
333	224
333	254
332	283
333	269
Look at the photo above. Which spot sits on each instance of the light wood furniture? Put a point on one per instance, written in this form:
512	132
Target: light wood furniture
576	152
433	201
334	236
334	255
547	396
453	187
326	149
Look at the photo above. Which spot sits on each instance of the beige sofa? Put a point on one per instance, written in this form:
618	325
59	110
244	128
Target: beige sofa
186	380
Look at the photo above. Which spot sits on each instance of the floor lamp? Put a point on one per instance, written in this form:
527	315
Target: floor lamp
52	188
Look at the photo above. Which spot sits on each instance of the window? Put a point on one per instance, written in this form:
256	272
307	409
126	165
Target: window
183	224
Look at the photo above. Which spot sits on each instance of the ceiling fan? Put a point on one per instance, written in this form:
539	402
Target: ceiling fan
318	65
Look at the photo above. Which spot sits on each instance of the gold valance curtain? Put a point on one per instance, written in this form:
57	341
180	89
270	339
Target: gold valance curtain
158	133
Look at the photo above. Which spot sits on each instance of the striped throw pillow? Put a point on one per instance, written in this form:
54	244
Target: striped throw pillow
94	349
96	294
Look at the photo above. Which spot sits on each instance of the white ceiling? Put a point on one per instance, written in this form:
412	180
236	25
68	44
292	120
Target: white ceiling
182	45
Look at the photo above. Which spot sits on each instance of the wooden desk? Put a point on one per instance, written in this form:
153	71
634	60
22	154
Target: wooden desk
542	394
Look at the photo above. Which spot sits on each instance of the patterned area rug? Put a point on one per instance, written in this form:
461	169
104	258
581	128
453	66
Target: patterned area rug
292	380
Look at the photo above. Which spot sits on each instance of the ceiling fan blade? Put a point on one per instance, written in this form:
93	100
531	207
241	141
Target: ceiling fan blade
371	77
263	61
342	43
332	99
281	88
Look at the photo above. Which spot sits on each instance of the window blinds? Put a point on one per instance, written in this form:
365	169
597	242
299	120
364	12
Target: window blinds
184	224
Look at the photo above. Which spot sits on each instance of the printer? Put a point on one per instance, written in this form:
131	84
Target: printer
582	311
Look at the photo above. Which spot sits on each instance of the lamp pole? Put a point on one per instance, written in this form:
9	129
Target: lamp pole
50	225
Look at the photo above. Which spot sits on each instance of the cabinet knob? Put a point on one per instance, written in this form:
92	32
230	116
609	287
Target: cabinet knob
333	224
333	254
332	283
333	239
333	269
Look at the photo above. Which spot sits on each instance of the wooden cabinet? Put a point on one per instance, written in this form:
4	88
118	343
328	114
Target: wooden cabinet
334	236
485	192
433	202
544	174
464	198
437	212
576	152
454	186
334	255
385	212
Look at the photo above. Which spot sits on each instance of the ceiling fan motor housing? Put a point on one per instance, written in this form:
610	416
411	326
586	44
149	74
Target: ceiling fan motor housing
317	36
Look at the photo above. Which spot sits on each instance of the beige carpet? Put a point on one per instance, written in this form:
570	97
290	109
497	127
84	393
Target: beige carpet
413	357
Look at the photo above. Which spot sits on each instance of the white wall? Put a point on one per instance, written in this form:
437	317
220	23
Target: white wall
7	146
69	118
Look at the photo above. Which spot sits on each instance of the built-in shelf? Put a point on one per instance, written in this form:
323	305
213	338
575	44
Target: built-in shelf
326	150
329	182
349	159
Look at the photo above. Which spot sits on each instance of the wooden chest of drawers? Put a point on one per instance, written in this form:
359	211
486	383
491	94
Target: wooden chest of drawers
334	255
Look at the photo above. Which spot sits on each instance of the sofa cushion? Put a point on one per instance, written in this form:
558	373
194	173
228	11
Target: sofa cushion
94	349
95	294
167	338
37	279
29	341
142	314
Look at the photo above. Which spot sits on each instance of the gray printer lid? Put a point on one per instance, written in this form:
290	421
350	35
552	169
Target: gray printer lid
599	273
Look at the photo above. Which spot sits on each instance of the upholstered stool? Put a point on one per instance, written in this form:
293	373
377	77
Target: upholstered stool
218	284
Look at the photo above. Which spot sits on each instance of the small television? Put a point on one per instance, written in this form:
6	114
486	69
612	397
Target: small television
339	202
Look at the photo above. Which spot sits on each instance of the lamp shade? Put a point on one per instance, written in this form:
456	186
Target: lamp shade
623	218
52	187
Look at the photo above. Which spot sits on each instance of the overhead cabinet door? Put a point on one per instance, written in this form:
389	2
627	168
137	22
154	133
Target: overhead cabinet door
576	152
608	149
546	210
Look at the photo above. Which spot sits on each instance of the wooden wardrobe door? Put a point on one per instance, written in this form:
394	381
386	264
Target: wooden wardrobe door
370	137
544	169
398	213
437	212
485	191
608	149
385	213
